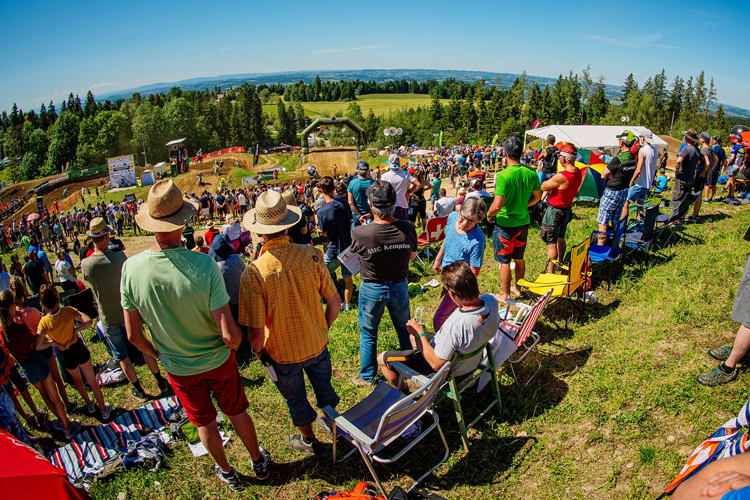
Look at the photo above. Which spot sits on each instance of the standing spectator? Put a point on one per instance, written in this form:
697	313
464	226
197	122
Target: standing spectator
517	188
562	188
205	202
334	222
280	304
300	232
36	274
103	270
663	157
403	183
617	175
701	178
385	248
721	161
231	267
548	157
734	164
182	297
686	167
357	195
221	203
417	203
464	241
435	194
242	202
643	176
65	272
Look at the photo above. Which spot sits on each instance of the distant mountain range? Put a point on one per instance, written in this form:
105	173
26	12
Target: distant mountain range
379	75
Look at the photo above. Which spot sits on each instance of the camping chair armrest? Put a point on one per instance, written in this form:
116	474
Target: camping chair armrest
520	305
345	425
409	374
607	233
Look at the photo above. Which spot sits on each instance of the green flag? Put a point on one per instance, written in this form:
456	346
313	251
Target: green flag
494	139
440	142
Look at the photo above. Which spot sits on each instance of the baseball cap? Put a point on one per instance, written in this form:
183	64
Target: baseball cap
647	135
393	161
476	182
627	136
363	165
567	148
705	136
381	194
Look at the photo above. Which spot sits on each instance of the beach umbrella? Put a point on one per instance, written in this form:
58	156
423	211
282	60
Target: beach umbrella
32	217
739	129
591	166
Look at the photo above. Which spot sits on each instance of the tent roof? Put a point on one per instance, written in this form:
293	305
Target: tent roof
591	136
176	141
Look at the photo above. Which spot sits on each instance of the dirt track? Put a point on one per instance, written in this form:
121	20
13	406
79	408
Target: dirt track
324	159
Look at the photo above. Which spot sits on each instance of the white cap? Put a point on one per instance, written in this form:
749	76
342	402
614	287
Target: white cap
394	162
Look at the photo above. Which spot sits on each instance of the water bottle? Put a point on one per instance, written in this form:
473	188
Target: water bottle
266	360
590	297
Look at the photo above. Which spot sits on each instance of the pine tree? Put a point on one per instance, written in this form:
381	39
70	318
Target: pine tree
317	88
436	109
720	121
89	107
674	105
629	85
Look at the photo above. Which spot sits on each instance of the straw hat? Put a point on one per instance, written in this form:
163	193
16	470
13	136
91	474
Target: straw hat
271	215
98	227
165	210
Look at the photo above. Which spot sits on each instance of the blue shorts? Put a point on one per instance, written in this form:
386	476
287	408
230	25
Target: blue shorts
637	193
115	335
332	263
610	206
35	369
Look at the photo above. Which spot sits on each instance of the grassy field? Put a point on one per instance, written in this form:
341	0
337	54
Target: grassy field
613	414
381	104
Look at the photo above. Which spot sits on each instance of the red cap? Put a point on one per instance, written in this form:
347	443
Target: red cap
567	148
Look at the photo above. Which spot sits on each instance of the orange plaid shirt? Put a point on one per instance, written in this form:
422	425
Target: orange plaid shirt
281	291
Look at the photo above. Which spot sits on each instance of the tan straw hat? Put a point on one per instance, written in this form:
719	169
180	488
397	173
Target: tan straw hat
98	227
165	209
271	215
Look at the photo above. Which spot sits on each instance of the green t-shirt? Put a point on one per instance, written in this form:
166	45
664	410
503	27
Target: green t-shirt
175	292
516	183
26	242
436	187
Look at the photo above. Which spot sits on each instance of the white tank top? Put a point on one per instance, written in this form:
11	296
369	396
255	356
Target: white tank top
646	179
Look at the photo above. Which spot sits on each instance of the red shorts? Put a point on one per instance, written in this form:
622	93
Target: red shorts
194	392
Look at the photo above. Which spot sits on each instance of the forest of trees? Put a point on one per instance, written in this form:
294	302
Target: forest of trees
83	134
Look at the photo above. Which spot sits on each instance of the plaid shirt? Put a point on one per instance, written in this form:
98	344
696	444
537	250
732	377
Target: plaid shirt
281	290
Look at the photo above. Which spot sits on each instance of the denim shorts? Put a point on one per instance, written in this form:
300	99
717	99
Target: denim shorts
332	263
636	193
16	379
115	335
35	369
291	385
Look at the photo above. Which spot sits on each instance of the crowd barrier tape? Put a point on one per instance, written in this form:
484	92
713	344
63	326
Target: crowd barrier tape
220	152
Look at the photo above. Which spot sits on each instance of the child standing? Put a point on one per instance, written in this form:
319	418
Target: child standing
58	324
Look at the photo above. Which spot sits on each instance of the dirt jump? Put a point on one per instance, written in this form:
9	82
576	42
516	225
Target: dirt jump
323	159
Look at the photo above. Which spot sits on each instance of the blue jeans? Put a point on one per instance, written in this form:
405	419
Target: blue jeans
373	299
291	385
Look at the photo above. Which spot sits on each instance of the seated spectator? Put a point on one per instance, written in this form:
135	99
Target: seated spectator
661	183
474	323
444	205
200	245
212	231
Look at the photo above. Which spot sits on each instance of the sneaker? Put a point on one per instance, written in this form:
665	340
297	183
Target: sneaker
106	412
359	382
720	353
716	377
140	396
261	467
58	426
232	479
325	424
163	387
297	442
90	408
75	428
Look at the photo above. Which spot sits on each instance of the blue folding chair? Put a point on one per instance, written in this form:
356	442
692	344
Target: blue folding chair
605	254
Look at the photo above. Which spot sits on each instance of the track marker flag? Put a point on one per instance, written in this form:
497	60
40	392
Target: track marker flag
440	143
494	139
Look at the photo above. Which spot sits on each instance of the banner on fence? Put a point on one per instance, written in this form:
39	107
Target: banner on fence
121	171
59	178
220	152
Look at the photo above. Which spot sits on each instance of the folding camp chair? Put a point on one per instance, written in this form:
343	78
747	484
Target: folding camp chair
643	239
379	419
677	211
607	254
520	328
434	233
567	289
85	302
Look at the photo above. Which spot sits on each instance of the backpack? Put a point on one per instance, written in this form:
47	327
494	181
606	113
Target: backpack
363	491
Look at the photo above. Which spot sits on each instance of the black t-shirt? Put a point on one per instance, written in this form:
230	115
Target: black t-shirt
204	201
690	155
34	270
335	219
384	250
622	167
549	162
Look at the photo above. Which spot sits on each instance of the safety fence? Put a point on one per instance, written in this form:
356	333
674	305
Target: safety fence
219	153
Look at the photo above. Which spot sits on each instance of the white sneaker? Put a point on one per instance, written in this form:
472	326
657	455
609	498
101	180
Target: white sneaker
106	411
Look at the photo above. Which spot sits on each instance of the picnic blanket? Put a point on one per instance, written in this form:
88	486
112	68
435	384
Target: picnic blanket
91	448
731	439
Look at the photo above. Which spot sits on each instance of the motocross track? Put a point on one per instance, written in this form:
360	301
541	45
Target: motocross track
323	159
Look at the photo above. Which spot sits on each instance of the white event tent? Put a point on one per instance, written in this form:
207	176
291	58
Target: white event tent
591	136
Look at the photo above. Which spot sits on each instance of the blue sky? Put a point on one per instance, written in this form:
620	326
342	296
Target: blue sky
53	48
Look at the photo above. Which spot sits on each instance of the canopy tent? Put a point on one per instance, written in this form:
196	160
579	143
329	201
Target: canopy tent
591	136
27	474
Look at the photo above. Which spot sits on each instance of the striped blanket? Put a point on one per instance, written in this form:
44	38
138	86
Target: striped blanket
730	440
94	446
